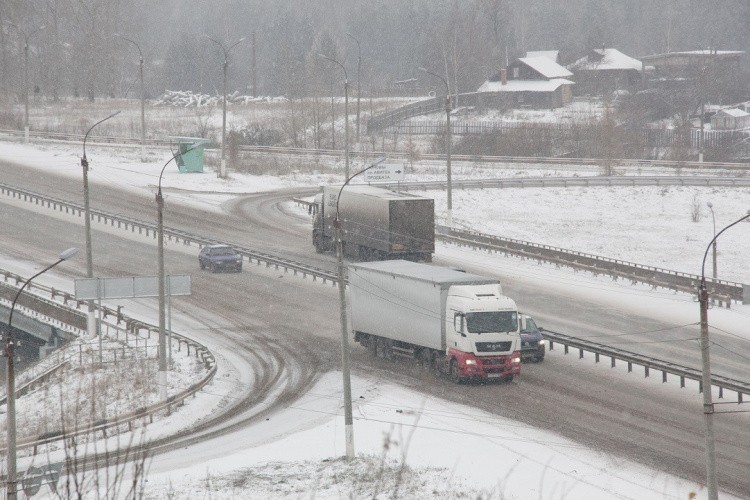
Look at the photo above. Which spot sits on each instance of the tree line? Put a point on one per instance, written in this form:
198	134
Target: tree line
71	47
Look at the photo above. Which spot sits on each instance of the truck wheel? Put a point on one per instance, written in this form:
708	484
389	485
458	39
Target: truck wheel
508	378
380	348
372	346
425	359
455	377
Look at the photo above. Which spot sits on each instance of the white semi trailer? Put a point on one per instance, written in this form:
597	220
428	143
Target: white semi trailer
455	322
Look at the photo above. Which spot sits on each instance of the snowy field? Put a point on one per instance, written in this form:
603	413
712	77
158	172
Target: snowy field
410	446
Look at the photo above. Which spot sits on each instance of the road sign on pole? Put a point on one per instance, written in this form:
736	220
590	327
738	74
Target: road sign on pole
130	287
384	173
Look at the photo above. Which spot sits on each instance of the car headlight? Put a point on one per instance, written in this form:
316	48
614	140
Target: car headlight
471	361
541	342
516	360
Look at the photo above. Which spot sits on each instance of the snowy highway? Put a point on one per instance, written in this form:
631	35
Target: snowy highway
277	334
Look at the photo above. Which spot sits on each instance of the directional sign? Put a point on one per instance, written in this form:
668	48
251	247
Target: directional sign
130	287
384	173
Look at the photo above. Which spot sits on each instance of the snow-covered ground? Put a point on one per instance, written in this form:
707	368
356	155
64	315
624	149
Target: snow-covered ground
410	446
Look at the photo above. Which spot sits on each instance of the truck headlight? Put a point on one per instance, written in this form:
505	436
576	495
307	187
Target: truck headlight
471	361
516	360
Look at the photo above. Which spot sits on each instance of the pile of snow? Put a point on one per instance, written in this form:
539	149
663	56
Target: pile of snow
187	98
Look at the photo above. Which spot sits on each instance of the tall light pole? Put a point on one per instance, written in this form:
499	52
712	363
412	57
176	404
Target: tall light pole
87	222
26	74
348	421
223	169
162	293
359	80
713	216
346	114
708	406
11	483
448	109
143	97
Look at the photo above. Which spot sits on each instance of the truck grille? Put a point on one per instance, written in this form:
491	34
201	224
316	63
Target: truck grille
494	346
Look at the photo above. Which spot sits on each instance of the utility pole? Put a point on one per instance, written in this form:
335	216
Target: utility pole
708	406
223	168
359	79
143	97
449	140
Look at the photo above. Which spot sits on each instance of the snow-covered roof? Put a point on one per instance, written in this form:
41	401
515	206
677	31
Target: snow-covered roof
703	52
549	54
606	59
546	67
524	85
734	112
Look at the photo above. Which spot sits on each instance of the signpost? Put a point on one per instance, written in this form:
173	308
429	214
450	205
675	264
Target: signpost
384	173
130	288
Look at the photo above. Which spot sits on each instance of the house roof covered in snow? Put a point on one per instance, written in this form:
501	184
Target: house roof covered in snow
524	85
552	55
606	59
696	53
734	112
546	67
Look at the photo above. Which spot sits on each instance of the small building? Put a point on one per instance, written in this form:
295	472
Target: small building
528	82
719	72
604	71
730	119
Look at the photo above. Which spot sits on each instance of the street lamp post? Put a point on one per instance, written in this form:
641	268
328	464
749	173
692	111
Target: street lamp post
359	80
708	406
448	109
143	97
87	222
162	293
11	483
346	114
348	421
26	75
223	169
713	217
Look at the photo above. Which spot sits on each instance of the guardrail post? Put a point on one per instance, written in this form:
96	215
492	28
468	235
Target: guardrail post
580	353
613	361
682	381
630	366
663	377
596	357
645	370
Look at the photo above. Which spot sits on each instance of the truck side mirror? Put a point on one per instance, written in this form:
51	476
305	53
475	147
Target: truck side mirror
458	324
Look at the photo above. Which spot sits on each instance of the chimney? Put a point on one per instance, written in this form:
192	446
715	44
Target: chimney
504	76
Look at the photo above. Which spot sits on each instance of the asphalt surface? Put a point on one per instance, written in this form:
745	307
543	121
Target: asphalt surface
286	331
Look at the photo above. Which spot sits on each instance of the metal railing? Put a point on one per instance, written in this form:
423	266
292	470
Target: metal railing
648	363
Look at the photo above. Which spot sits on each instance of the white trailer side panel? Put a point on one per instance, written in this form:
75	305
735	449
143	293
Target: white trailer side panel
397	307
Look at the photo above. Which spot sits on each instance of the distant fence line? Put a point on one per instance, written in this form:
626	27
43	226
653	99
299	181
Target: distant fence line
651	137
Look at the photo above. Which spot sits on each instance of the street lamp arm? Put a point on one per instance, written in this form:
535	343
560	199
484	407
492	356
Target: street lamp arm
67	254
140	54
174	156
447	89
705	254
92	128
373	164
346	77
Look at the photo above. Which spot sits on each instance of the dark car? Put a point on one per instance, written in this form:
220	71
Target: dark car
220	258
532	342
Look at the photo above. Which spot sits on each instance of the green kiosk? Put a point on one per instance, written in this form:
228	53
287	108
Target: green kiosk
190	158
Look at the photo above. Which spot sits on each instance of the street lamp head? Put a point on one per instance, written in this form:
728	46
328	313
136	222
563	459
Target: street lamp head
69	253
710	205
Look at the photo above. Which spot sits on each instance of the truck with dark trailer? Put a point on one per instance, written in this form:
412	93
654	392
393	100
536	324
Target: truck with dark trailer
376	223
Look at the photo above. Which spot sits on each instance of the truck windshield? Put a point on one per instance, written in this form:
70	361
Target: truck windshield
491	321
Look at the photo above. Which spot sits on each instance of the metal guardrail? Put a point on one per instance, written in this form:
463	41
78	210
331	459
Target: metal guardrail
647	362
724	291
488	159
721	290
589	181
365	155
